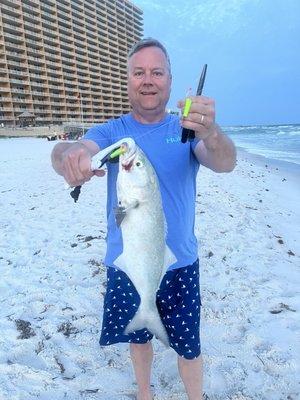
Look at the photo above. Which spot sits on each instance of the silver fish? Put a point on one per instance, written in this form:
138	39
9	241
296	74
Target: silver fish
145	256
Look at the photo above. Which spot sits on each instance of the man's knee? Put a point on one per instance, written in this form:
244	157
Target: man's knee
140	347
190	362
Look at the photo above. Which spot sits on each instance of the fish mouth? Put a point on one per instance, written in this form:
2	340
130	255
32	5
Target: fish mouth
128	164
128	158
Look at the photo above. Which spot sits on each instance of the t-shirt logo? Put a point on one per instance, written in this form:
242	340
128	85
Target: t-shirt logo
173	139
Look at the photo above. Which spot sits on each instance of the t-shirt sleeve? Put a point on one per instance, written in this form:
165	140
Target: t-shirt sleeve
100	134
194	144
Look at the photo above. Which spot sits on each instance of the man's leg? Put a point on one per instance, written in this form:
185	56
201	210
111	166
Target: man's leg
142	356
191	372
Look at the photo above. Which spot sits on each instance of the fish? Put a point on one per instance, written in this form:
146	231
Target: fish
146	256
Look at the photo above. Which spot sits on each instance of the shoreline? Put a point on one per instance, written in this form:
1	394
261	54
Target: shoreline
273	162
289	169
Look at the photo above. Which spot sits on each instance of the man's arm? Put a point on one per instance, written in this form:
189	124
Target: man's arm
215	150
73	161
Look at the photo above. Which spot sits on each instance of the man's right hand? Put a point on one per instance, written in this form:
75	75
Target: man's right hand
73	161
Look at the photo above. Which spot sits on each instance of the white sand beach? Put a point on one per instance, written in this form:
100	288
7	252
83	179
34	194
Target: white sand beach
52	283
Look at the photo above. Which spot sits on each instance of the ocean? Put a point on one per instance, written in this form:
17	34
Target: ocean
277	142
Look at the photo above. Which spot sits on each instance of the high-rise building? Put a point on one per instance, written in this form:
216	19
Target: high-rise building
65	60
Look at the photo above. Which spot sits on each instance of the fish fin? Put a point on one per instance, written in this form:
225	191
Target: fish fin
169	259
120	214
151	321
121	263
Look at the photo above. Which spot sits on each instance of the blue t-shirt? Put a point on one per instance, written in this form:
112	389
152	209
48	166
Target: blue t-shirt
176	167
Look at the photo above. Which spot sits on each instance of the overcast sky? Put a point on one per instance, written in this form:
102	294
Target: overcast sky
252	48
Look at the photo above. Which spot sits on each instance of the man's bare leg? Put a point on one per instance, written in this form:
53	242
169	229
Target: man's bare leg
142	356
191	372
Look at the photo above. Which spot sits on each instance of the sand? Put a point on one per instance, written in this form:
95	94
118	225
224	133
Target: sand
53	282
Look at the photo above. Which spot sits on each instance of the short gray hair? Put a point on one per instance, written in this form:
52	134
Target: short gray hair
149	42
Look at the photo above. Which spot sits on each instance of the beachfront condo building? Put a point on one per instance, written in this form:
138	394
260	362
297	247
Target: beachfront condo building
65	60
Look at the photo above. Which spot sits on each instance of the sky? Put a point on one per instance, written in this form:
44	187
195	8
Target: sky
252	48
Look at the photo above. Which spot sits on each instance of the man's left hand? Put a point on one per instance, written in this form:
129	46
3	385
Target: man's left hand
201	117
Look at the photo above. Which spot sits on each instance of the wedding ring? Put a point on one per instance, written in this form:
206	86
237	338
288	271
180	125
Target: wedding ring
202	119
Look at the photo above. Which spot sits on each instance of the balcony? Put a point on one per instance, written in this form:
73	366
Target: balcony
69	89
36	68
57	87
53	49
19	81
63	14
68	60
39	101
37	76
65	29
35	42
37	84
4	99
39	93
14	37
60	96
52	63
57	74
29	24
19	90
58	80
66	52
6	108
50	31
83	64
30	16
51	40
16	72
38	60
48	16
69	39
12	27
22	109
12	10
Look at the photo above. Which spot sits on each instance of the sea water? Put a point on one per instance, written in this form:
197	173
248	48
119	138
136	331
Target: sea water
278	142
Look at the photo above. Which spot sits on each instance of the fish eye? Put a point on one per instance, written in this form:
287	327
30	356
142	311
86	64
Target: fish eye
139	164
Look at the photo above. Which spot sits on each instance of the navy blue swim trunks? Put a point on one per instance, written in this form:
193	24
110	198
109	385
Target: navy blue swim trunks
178	301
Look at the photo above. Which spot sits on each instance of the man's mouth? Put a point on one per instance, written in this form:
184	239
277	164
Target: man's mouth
148	93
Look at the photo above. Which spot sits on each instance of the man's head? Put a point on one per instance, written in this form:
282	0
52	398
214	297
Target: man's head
149	80
149	42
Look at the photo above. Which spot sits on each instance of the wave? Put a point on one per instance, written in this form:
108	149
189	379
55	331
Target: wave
291	133
293	157
271	131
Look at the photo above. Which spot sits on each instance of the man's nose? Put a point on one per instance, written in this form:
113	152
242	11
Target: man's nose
147	79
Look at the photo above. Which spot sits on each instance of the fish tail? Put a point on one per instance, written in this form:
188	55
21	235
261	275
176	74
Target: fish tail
151	321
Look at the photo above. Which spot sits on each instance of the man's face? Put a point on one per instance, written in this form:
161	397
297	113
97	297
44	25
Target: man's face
149	81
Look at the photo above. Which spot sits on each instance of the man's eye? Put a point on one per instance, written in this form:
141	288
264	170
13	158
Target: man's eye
138	73
157	73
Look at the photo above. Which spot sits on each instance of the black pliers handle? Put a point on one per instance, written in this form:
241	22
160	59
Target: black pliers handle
189	134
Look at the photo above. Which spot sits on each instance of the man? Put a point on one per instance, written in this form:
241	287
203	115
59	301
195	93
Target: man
176	164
